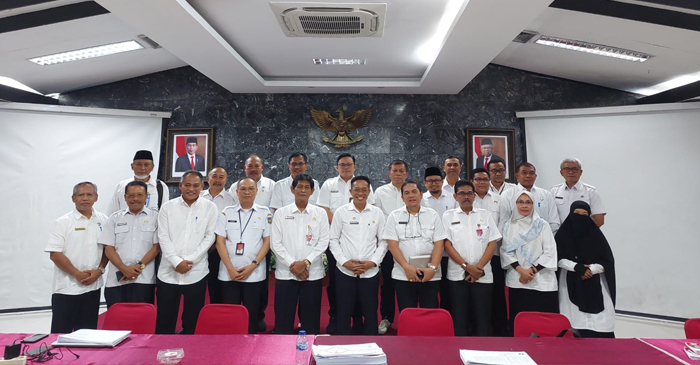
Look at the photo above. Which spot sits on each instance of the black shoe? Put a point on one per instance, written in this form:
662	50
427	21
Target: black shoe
262	326
331	329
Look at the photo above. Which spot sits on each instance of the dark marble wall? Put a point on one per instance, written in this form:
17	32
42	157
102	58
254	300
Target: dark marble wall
421	129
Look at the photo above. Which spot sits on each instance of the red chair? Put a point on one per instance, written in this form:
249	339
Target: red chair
541	324
425	322
692	328
139	318
222	319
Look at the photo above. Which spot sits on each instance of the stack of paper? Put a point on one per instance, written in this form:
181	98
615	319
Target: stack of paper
692	349
92	338
471	357
366	353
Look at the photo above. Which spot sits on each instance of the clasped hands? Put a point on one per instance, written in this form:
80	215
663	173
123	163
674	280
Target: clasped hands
413	272
299	269
473	273
242	273
358	267
526	275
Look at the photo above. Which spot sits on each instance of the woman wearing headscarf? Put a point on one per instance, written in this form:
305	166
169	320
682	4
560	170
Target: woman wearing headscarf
529	253
587	283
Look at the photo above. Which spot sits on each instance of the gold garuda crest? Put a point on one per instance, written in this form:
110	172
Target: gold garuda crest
341	125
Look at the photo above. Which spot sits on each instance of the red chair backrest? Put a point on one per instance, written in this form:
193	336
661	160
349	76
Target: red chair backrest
692	328
425	322
222	319
541	324
139	318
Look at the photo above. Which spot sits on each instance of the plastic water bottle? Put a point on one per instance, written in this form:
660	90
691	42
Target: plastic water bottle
302	356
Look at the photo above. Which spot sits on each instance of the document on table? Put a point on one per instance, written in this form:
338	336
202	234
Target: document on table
92	338
366	353
472	357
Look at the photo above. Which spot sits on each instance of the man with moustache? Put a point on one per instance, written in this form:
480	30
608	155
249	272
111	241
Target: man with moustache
281	192
186	232
543	202
80	263
130	240
253	169
452	167
142	166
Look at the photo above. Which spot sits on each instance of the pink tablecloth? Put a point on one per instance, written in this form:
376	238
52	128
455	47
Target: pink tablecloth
673	347
559	351
199	349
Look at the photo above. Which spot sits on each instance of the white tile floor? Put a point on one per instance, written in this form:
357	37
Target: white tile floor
627	326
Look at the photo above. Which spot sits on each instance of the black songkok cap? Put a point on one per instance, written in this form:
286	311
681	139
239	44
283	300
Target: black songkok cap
433	171
143	155
486	141
191	140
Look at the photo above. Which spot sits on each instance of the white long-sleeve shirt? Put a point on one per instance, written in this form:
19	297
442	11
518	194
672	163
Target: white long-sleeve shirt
599	322
356	235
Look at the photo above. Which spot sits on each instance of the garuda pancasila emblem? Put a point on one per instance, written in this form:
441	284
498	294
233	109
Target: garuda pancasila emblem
341	125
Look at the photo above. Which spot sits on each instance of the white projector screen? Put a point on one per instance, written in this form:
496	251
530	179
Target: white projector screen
641	160
46	150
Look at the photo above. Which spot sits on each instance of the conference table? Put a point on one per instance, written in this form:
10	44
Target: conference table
280	349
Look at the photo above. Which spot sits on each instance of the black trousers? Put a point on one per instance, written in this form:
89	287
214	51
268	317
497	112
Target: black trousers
499	308
351	292
411	295
471	298
213	282
330	289
73	312
308	296
169	304
130	293
264	294
528	300
236	292
445	287
387	307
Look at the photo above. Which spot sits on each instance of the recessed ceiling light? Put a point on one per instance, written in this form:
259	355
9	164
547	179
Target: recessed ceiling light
592	48
91	52
339	61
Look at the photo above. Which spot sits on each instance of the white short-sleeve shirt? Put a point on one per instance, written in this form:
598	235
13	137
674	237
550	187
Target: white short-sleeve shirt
356	235
445	202
76	236
222	200
118	203
470	234
282	193
263	197
247	226
132	236
416	235
563	197
335	193
388	199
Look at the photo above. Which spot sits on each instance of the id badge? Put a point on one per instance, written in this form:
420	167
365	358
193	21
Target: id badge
239	248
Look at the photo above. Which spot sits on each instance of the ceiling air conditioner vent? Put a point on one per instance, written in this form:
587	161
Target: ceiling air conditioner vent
524	36
330	20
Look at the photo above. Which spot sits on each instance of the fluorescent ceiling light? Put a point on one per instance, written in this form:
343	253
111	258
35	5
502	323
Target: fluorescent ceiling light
429	50
670	84
17	85
592	48
340	61
91	52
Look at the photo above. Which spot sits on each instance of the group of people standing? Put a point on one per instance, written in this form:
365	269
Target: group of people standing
455	246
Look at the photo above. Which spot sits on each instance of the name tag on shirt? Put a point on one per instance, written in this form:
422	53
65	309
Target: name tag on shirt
79	228
355	222
289	217
453	223
232	221
406	222
334	191
558	197
121	224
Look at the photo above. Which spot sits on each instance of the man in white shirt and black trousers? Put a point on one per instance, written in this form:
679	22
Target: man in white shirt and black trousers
299	237
355	241
243	239
186	231
80	263
130	240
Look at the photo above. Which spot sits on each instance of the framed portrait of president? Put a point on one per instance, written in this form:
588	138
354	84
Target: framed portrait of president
188	149
486	145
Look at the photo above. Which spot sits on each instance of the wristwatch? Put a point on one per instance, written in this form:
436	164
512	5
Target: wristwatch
431	266
308	263
141	265
464	265
256	264
102	269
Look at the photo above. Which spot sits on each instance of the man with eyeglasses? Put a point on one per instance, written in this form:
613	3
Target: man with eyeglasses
439	199
497	172
471	241
253	169
281	192
335	193
415	238
543	202
388	199
572	189
492	203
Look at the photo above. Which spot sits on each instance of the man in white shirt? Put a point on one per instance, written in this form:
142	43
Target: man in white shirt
243	239
186	232
253	169
494	204
573	189
497	172
355	242
415	235
452	167
299	237
439	199
80	263
281	195
544	205
388	199
217	179
471	241
157	190
335	193
130	240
